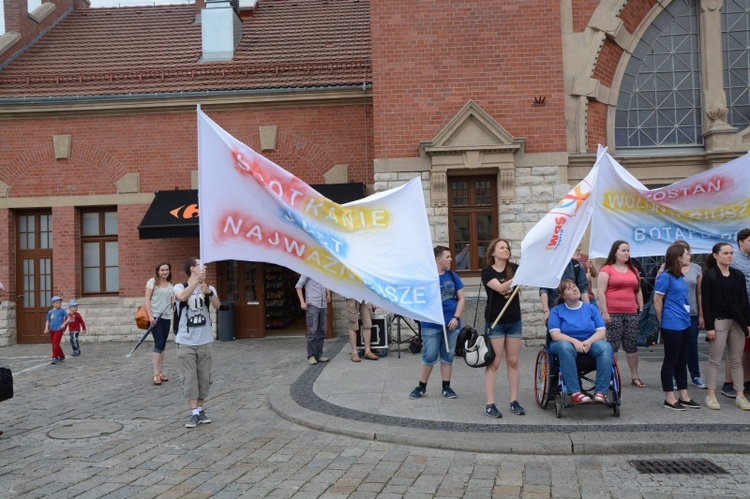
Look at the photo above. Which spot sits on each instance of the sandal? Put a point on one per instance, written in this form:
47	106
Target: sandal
637	382
157	379
355	358
600	398
163	378
580	398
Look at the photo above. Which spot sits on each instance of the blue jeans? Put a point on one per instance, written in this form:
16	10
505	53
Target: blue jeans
692	360
161	332
316	330
601	351
433	346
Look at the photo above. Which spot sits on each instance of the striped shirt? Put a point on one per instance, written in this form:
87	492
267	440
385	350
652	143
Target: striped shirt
741	262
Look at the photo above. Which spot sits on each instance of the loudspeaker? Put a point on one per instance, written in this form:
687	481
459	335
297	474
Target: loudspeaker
379	335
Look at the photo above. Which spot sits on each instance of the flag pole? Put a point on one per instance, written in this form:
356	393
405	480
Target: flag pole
445	336
512	295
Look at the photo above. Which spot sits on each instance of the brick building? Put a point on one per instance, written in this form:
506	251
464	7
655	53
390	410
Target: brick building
498	105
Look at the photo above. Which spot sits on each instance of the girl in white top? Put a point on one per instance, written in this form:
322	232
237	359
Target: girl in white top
158	303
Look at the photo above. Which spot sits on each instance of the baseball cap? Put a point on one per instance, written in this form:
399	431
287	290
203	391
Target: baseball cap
73	304
56	298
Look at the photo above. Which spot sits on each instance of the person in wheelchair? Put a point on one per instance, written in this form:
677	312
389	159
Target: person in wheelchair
578	328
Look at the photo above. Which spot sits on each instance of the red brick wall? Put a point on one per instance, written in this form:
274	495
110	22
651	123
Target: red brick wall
431	57
596	124
634	12
162	149
17	19
582	12
606	64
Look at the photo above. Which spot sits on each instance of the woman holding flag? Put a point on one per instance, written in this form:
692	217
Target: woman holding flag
620	301
497	277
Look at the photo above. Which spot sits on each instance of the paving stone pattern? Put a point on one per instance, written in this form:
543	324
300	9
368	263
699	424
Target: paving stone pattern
249	451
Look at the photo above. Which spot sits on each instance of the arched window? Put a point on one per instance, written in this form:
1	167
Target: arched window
659	104
735	33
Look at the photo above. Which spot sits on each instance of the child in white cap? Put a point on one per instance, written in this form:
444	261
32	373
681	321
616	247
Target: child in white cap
75	326
57	319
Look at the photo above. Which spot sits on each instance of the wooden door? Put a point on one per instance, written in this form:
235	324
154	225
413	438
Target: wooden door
243	283
34	274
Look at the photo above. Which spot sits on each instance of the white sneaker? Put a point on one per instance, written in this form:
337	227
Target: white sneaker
312	360
711	403
742	403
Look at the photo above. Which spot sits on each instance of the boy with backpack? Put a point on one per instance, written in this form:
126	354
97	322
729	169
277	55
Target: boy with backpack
194	337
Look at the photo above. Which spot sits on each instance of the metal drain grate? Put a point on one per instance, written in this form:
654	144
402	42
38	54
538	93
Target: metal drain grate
667	466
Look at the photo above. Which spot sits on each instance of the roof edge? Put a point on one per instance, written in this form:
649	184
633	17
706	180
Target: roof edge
35	39
11	108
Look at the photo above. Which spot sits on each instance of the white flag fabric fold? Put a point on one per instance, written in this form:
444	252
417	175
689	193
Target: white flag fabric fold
549	245
702	209
376	249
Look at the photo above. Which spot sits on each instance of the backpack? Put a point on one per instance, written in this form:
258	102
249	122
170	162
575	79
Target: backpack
648	326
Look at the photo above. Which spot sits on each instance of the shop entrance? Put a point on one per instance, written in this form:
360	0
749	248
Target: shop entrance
265	301
34	274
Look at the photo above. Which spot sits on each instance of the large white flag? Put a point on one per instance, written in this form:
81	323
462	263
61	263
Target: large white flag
376	249
549	245
703	209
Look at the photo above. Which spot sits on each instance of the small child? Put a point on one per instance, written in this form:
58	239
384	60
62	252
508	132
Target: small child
75	325
57	319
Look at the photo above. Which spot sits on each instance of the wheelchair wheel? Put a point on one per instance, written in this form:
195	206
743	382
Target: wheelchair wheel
615	388
542	379
558	405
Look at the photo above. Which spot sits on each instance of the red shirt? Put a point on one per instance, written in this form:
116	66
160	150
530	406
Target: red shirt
76	322
621	291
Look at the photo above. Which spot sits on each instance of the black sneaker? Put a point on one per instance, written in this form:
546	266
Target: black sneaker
416	393
76	353
677	406
492	411
202	418
690	404
516	408
728	391
194	421
449	393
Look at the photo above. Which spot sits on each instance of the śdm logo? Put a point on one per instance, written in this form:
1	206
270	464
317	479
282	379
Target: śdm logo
566	208
187	211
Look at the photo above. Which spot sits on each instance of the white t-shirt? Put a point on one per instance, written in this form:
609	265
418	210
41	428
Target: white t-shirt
194	335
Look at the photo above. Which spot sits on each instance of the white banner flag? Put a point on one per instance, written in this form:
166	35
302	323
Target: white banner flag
703	209
549	245
376	249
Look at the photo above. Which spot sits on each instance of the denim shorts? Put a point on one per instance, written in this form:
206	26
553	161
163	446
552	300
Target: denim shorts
433	346
510	330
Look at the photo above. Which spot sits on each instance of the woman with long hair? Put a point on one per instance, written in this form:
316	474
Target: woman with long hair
497	277
672	308
726	313
620	300
158	303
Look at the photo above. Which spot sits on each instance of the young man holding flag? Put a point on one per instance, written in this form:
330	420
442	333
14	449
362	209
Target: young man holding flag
433	336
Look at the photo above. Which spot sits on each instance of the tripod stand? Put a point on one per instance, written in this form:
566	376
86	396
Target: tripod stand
418	332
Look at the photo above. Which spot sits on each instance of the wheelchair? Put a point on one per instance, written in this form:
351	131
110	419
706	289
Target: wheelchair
548	382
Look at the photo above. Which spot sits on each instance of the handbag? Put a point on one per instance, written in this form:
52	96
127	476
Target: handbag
467	331
6	384
479	351
141	318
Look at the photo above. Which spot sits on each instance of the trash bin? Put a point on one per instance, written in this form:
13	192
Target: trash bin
226	321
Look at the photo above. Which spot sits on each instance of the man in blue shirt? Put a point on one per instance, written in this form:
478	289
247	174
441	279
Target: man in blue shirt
433	339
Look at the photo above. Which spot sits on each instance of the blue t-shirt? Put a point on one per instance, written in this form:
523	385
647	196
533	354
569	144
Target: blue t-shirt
56	317
449	294
580	323
675	313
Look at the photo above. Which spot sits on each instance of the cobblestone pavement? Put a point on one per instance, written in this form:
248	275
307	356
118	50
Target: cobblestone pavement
96	426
